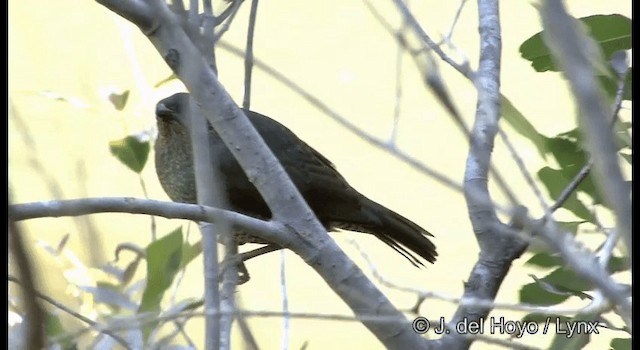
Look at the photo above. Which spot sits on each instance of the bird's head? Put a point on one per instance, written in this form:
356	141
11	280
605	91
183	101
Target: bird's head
171	113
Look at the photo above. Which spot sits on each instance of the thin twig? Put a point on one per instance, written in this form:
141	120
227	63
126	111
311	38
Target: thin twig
455	20
584	171
413	22
227	11
143	320
228	292
194	18
284	343
523	168
398	93
74	314
153	218
227	23
35	333
324	108
469	302
208	41
248	58
568	44
379	143
247	335
571	187
436	84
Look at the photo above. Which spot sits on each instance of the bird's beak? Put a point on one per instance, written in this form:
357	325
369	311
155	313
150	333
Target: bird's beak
163	111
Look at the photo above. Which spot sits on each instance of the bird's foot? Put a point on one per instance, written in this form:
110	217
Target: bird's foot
239	259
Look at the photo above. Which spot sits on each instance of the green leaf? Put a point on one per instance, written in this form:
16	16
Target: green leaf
568	281
623	134
165	80
163	263
521	125
131	152
130	271
119	101
576	338
55	329
626	157
533	293
611	32
190	252
571	226
575	342
554	288
607	34
618	264
544	260
621	343
567	149
610	85
555	182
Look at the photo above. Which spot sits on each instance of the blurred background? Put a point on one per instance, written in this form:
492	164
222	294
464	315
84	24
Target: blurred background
67	56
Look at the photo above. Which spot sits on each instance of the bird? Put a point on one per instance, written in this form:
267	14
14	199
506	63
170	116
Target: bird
336	204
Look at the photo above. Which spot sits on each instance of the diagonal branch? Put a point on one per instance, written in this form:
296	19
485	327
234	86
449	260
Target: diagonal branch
569	47
497	250
307	237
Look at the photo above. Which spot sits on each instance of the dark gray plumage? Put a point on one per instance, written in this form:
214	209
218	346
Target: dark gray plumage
334	201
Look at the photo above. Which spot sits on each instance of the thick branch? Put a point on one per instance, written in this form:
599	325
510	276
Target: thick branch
267	230
570	48
497	250
210	193
387	323
308	237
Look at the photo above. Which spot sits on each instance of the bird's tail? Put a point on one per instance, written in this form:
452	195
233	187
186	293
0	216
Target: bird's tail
400	233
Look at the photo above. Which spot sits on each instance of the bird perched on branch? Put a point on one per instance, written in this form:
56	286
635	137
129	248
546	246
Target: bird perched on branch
336	204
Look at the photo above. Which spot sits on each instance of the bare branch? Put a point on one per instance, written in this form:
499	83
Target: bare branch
434	82
227	23
35	333
228	292
267	230
146	195
582	174
68	310
210	193
413	23
208	40
455	20
284	343
342	120
248	58
582	261
497	250
138	12
572	186
570	48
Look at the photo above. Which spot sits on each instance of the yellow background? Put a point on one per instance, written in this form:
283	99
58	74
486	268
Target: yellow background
337	51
